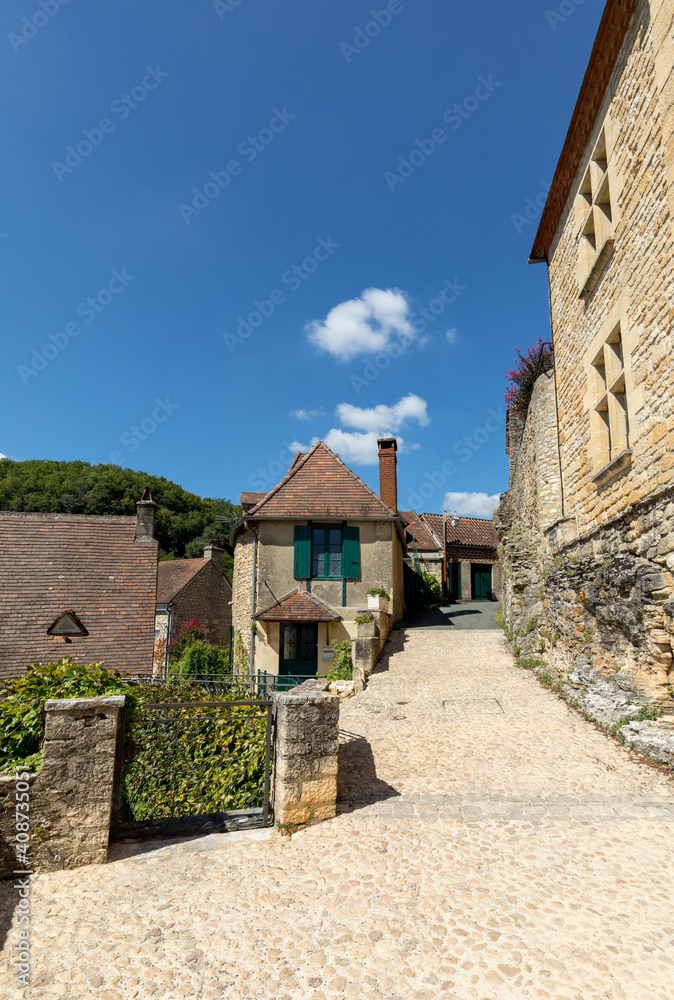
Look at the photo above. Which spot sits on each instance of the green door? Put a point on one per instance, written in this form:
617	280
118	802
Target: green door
299	649
480	579
454	580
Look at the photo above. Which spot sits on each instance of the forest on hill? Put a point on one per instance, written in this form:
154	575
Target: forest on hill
185	523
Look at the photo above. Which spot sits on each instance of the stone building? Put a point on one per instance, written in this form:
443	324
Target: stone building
587	526
193	588
465	562
78	586
305	555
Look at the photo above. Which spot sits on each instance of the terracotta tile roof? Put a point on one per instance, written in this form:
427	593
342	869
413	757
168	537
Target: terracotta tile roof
298	606
51	563
249	500
174	574
424	539
319	484
475	531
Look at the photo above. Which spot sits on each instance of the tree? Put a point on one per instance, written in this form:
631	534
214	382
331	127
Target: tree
184	524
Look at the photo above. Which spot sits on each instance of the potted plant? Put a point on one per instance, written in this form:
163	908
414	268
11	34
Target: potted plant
367	627
377	599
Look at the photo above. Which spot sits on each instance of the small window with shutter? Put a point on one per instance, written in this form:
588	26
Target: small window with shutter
327	552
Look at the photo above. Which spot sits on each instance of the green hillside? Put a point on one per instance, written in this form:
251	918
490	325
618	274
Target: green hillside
184	524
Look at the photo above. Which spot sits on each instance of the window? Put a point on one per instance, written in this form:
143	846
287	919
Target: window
595	213
326	552
611	416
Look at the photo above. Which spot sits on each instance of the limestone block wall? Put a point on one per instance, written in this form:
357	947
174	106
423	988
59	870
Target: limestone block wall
596	608
71	799
306	753
531	506
635	290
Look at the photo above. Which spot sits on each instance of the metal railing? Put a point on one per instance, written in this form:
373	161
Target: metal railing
260	685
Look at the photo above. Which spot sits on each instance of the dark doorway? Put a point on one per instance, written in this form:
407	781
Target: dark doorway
299	649
480	581
454	581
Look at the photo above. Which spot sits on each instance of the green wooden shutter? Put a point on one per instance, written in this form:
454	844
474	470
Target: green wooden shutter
302	552
351	553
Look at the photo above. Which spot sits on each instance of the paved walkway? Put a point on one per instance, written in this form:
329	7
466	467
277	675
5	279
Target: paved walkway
492	845
471	615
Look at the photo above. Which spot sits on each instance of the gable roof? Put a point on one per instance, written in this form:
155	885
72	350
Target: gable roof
319	484
424	539
608	43
298	606
173	575
475	531
91	566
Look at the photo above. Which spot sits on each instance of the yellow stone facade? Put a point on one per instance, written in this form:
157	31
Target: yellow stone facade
587	527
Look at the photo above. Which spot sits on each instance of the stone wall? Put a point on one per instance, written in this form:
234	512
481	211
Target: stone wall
208	596
306	754
71	799
635	290
242	585
587	527
527	511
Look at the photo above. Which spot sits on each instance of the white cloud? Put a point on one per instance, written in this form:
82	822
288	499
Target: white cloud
360	446
308	414
296	446
365	325
361	449
385	419
452	335
471	504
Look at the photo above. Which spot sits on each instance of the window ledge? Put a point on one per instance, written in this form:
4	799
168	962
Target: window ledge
600	263
616	465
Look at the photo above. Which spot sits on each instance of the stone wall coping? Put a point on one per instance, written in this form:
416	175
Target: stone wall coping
112	702
312	690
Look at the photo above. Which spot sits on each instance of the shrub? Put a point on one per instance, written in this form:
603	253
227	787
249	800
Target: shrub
209	765
188	632
342	668
201	658
499	620
522	378
364	619
432	587
378	592
22	716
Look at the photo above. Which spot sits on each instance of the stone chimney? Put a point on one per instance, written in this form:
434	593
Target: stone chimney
388	476
145	511
215	553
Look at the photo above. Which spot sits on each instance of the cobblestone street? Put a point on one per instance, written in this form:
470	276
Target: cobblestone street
491	845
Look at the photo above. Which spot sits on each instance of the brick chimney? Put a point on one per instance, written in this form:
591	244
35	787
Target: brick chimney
215	553
388	476
145	511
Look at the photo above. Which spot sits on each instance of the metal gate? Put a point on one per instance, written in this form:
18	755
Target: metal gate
196	765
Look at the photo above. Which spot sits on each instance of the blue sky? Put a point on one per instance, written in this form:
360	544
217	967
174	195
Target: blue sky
229	229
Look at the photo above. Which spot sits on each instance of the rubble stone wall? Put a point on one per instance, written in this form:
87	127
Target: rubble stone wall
71	799
306	754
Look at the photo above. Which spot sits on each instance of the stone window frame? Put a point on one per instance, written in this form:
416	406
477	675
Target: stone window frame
596	213
613	429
